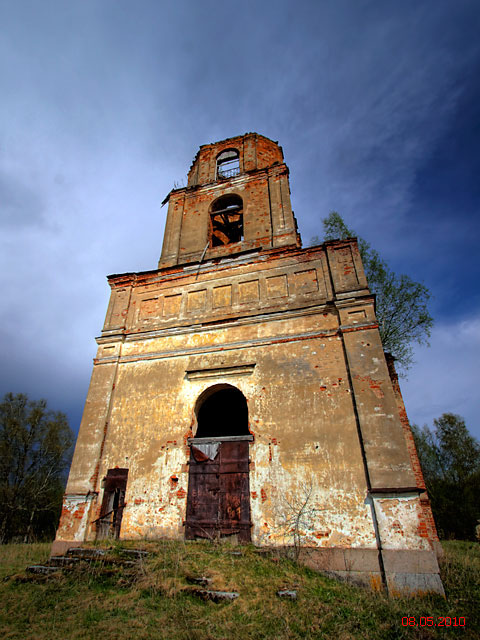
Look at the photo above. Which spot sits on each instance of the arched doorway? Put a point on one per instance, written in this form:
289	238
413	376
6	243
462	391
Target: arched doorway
218	501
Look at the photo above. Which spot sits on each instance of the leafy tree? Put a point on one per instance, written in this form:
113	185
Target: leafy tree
450	459
401	303
35	451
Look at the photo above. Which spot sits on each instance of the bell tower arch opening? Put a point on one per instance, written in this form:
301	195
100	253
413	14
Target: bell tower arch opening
222	411
226	220
228	164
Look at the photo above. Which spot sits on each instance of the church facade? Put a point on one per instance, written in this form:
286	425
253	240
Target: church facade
241	389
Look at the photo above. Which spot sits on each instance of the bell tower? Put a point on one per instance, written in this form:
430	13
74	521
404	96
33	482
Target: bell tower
237	199
245	376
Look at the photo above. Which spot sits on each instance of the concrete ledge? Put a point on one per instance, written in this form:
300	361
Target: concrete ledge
335	559
406	561
60	547
414	584
407	573
371	580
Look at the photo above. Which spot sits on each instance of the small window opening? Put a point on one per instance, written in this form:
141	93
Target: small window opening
228	164
227	221
224	413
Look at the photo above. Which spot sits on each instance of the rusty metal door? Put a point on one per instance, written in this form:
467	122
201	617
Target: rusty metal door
113	503
218	501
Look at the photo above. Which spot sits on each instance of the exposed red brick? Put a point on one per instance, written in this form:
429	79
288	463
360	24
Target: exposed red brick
173	482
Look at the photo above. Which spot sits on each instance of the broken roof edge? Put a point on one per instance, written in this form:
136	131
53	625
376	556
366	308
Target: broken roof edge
243	135
239	137
332	242
211	144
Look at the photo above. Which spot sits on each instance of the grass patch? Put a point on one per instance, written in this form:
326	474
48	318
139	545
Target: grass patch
15	557
156	600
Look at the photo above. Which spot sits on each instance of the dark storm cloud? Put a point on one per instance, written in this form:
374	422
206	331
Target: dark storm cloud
104	105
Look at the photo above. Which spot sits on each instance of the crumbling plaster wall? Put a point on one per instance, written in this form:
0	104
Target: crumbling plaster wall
300	413
309	367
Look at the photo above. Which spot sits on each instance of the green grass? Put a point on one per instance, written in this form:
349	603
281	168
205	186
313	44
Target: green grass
156	599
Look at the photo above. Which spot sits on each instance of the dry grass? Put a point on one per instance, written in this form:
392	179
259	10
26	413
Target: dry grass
15	557
156	600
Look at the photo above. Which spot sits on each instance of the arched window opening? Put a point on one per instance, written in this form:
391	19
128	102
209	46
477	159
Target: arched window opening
226	221
228	164
223	413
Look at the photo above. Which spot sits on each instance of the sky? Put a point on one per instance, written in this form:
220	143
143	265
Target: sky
103	107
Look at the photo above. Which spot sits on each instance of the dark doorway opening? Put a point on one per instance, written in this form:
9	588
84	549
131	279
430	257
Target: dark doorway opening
113	503
224	413
218	501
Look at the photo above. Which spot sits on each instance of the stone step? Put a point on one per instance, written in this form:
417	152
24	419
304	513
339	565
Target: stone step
89	554
136	553
86	552
287	593
60	561
123	562
42	569
201	580
215	596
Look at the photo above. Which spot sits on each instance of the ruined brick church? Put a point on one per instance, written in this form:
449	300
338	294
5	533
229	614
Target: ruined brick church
242	382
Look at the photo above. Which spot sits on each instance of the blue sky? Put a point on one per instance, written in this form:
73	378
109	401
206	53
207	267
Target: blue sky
105	103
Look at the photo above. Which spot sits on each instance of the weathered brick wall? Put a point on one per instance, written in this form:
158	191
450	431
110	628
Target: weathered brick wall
268	220
255	151
182	297
426	527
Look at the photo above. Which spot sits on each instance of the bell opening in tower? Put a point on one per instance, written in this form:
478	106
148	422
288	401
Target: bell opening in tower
228	164
226	221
